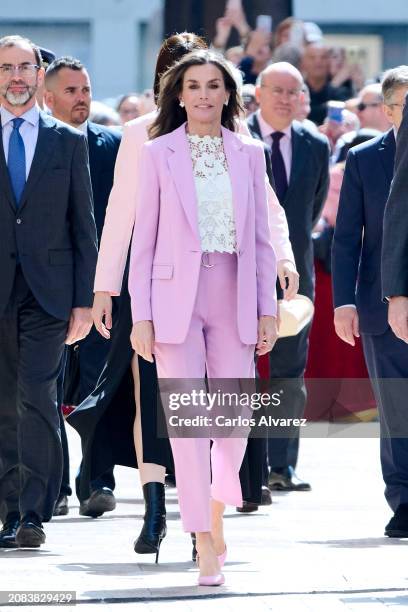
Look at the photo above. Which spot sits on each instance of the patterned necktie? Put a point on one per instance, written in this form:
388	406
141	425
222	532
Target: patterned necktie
278	167
16	160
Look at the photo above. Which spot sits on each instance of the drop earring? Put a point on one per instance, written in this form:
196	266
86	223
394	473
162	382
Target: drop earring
181	103
226	102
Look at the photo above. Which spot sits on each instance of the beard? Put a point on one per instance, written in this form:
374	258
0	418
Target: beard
79	115
19	99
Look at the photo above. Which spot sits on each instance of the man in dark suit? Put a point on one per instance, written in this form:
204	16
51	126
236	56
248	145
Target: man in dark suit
369	172
48	257
300	164
68	96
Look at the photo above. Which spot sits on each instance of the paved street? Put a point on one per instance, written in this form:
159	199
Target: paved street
322	550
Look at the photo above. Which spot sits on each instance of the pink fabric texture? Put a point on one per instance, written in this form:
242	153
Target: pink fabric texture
212	345
166	252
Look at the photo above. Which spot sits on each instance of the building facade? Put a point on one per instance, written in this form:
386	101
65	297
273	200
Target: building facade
116	39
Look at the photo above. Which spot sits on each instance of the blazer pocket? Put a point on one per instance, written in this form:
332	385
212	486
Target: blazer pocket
162	271
60	257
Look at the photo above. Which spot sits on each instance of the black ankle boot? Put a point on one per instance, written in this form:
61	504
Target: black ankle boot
154	528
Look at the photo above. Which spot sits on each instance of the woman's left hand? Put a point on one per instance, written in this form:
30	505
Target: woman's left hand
287	271
267	334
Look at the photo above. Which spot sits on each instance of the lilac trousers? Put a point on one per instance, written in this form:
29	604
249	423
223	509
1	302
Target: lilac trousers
212	347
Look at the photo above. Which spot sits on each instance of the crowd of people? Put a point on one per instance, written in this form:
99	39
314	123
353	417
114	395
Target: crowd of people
141	247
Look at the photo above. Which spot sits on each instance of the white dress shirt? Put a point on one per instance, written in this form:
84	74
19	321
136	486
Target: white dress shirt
28	131
285	143
83	128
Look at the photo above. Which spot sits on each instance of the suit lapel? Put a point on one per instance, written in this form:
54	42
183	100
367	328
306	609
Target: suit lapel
5	178
300	152
96	141
181	169
386	151
43	150
254	127
238	162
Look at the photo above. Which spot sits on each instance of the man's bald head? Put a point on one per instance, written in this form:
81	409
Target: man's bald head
279	93
282	68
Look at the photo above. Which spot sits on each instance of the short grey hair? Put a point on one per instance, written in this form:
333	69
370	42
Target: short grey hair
15	40
392	80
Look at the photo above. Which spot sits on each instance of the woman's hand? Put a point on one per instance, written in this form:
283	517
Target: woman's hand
102	310
222	32
267	334
142	339
287	271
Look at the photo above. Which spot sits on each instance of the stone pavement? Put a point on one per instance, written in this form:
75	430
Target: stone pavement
322	550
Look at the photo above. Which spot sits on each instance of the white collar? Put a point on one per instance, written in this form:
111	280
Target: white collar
83	127
32	116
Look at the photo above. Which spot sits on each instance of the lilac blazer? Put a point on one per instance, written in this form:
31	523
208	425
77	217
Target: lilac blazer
166	252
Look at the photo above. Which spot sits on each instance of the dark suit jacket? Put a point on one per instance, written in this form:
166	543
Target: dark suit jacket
356	253
307	190
394	272
103	146
53	231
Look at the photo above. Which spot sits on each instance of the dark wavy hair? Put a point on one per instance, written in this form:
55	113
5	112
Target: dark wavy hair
171	115
172	50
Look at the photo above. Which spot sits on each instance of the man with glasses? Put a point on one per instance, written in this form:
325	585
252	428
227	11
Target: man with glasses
370	108
47	265
300	165
359	308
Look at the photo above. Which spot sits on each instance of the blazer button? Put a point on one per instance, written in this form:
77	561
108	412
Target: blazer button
18	221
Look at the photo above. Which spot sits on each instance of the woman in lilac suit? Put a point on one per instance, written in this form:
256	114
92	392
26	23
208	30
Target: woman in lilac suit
202	273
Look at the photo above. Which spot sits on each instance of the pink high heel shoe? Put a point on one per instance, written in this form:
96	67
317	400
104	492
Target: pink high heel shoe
216	580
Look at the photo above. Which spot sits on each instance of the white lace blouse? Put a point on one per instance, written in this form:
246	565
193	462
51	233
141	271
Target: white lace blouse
214	195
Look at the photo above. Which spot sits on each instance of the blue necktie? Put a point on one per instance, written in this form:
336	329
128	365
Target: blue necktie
278	167
16	160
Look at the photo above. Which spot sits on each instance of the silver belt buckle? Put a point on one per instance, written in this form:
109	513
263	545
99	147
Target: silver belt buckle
205	257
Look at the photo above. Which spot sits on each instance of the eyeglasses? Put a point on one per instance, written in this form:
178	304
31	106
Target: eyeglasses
362	105
279	91
21	69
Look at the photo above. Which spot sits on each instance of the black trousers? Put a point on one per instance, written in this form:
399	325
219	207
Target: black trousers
32	343
65	483
92	354
387	363
287	364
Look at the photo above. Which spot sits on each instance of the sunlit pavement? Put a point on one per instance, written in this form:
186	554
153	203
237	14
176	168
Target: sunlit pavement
318	550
